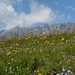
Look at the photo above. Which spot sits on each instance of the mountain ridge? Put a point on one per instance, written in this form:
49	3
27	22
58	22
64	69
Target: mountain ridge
38	30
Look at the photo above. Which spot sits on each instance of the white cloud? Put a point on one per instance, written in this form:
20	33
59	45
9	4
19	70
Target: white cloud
38	14
7	14
70	7
11	2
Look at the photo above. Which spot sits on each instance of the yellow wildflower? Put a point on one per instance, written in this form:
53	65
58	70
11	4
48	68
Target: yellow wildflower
41	35
17	44
19	48
9	53
52	43
73	36
73	56
13	51
46	42
62	39
39	74
26	38
44	37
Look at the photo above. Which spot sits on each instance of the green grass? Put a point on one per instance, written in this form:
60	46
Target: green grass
34	55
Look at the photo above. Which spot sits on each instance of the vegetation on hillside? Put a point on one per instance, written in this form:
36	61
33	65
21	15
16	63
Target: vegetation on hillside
38	55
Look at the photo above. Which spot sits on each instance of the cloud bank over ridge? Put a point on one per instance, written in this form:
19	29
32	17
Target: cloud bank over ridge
39	13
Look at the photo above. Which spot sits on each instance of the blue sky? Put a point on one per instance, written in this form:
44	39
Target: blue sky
27	13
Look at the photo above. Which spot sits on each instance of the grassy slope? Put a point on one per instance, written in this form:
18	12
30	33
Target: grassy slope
30	56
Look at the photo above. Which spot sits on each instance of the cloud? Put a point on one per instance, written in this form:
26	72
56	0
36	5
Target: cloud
10	2
69	17
56	3
38	14
7	13
70	7
61	17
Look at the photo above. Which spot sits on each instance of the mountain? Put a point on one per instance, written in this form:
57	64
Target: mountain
2	31
45	29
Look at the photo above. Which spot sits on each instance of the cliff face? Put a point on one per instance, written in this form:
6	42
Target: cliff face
46	29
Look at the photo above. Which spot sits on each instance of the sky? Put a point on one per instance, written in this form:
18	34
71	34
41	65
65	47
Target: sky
28	13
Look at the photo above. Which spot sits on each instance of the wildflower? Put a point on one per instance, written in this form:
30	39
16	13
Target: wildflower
52	43
26	50
17	70
10	68
17	44
39	74
63	69
40	35
17	67
9	53
44	37
12	59
37	70
8	63
40	50
73	56
11	47
70	67
68	71
26	38
73	36
13	51
19	48
6	70
46	42
40	38
62	39
10	71
60	62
